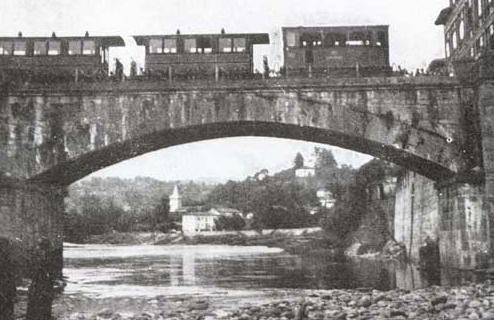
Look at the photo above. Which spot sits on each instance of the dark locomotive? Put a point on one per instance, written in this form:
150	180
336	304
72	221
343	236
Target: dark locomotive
308	52
336	51
200	55
55	58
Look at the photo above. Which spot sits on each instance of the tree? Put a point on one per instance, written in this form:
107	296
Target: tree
299	161
162	214
230	223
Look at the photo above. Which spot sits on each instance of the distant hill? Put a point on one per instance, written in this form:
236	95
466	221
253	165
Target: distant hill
137	194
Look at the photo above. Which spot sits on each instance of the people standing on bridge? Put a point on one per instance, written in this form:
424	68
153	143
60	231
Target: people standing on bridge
7	280
133	69
40	295
119	70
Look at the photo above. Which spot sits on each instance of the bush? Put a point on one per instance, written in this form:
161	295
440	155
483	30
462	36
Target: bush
230	223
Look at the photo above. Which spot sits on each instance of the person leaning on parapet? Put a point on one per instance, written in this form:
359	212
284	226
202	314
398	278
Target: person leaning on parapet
7	280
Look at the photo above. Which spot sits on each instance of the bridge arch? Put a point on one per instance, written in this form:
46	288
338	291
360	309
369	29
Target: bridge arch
72	170
59	135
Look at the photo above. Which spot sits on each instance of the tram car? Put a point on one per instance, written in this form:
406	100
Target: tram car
55	58
336	51
193	56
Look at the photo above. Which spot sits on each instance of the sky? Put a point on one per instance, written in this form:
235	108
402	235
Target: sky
414	42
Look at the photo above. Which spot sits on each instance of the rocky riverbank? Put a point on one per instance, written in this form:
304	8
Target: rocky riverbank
469	302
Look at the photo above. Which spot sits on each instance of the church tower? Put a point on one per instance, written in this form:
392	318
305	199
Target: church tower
175	200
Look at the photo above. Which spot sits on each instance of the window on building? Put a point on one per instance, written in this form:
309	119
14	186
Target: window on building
190	45
382	38
204	45
20	48
472	52
40	48
225	45
479	7
170	46
239	45
461	30
53	47
156	46
481	41
5	48
75	47
491	29
454	40
89	47
448	53
291	39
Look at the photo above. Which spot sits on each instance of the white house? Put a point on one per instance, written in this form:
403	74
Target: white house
193	222
305	172
325	198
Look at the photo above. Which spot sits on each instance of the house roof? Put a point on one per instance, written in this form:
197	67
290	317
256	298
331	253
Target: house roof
223	210
201	214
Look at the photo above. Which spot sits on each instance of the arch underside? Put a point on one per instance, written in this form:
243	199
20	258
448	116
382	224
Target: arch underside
72	170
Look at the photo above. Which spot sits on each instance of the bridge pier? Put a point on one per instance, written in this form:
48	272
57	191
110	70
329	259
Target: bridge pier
465	226
31	225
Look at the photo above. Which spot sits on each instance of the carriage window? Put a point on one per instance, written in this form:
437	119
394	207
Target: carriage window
239	45
5	48
53	48
225	45
382	38
204	45
291	39
170	46
40	48
356	39
334	39
190	45
313	40
156	46
20	48
88	47
75	47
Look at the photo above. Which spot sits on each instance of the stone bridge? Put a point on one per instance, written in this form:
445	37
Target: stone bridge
52	136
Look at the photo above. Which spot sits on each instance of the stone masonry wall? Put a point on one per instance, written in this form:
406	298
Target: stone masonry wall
416	212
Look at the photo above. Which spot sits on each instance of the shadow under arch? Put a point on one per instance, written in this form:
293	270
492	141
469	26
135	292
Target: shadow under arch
75	169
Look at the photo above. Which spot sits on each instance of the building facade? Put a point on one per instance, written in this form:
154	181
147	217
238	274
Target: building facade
305	172
468	28
193	222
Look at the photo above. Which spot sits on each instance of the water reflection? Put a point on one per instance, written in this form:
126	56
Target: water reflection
167	270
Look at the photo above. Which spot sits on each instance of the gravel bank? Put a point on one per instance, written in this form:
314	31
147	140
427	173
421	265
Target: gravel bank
469	302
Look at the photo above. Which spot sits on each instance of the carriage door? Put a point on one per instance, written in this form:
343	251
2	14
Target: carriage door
309	41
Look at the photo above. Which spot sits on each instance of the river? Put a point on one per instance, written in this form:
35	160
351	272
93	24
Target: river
132	278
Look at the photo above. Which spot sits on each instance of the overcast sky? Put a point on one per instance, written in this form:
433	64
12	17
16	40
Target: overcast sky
414	41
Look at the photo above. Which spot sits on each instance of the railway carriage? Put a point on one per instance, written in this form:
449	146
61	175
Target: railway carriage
200	55
55	58
336	51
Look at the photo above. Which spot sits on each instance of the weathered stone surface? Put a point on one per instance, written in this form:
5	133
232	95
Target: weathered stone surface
64	134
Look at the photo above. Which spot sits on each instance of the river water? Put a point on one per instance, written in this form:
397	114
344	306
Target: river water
105	270
137	277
